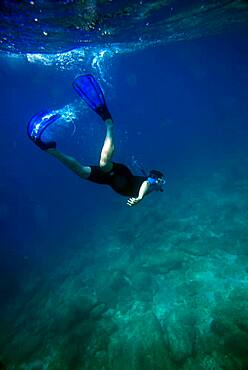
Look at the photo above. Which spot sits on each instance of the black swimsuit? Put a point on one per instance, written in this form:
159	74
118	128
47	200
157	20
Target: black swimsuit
120	178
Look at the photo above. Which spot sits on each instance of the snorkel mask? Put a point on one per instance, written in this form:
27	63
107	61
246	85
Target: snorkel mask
156	177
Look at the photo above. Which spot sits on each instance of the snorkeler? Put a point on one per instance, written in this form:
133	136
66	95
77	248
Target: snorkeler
116	175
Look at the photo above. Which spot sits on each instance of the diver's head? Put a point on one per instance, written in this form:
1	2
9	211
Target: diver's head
157	176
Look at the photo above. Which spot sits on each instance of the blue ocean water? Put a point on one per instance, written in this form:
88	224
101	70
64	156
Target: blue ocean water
87	282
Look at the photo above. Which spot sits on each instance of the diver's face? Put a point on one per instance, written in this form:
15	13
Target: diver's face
160	181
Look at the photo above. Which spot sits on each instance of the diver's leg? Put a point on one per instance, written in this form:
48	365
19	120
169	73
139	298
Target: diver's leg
71	163
108	148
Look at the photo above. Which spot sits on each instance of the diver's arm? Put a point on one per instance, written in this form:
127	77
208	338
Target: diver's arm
71	163
142	192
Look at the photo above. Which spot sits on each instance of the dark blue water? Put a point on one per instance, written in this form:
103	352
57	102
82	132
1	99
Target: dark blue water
180	108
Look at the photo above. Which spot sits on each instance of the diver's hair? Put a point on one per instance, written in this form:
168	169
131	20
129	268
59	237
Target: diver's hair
155	174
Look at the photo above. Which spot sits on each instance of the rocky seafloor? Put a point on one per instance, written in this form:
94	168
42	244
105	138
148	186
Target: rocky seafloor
157	287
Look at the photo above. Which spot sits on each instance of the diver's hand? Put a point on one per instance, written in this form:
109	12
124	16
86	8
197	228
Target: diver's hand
132	201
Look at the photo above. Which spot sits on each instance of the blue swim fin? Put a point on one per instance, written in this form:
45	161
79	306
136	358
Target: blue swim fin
89	90
38	124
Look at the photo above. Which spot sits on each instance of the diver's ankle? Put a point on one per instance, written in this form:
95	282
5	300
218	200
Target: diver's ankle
51	150
109	122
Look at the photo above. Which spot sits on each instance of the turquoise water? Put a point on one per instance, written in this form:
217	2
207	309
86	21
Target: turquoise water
87	282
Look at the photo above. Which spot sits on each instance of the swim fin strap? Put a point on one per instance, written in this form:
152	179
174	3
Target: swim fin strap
89	90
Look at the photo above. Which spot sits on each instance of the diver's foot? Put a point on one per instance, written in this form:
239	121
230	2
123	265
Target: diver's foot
104	112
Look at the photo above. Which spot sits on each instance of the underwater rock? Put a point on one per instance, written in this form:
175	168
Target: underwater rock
2	366
119	280
214	361
233	338
114	286
162	263
230	325
144	284
69	315
35	365
25	346
98	311
180	338
139	342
